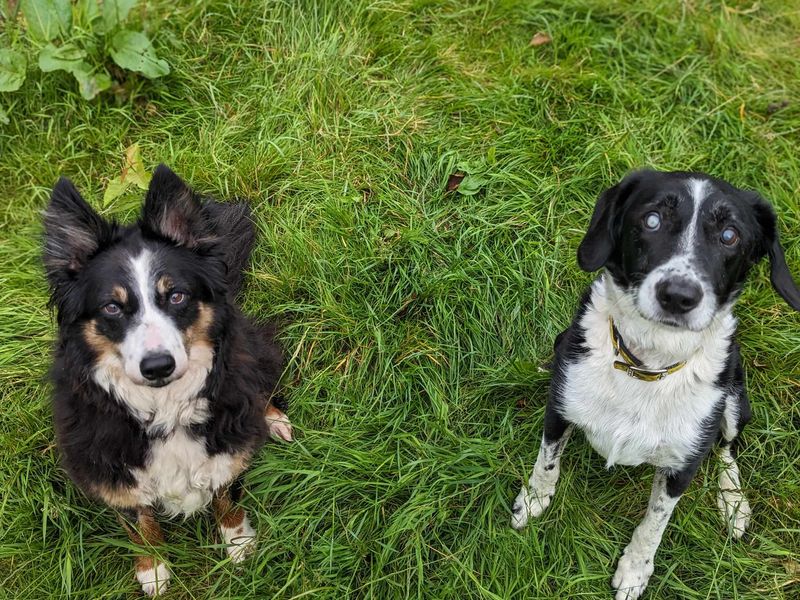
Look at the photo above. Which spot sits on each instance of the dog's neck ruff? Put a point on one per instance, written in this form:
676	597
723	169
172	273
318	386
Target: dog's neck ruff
632	365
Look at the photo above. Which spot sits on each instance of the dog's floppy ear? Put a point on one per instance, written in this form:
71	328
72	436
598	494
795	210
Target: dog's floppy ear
780	276
73	232
601	237
171	210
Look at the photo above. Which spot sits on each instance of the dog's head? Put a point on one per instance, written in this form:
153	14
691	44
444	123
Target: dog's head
142	297
681	245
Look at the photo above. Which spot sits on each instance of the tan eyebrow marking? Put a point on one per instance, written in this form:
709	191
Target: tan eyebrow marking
164	284
119	294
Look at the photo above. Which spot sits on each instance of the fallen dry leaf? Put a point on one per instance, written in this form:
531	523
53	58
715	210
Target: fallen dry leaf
792	567
540	39
455	180
776	106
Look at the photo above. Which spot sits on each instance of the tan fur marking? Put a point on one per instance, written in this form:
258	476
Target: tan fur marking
164	284
119	295
145	563
274	413
147	532
98	342
227	513
147	528
117	497
148	525
240	462
198	332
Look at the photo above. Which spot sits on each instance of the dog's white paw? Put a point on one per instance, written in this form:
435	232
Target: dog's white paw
278	424
240	540
633	573
154	581
735	510
529	503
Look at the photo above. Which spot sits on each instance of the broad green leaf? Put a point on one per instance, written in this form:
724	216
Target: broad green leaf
136	173
116	11
87	13
116	187
471	185
132	50
47	19
91	82
67	57
133	173
12	69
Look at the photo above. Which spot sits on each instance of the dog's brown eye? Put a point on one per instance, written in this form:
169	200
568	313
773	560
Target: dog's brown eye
112	309
652	221
177	298
729	236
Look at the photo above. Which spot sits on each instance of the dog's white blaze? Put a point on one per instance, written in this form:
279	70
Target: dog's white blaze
682	265
180	475
629	421
698	188
154	331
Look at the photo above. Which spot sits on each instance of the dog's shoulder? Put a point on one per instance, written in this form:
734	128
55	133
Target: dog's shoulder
570	344
245	374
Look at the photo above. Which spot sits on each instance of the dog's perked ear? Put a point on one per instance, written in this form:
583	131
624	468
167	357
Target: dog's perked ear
780	276
601	237
172	211
73	232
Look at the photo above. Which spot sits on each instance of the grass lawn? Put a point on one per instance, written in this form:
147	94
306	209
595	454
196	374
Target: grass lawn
416	319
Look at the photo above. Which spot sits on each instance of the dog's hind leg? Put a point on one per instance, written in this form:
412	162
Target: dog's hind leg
636	564
234	526
278	424
535	497
731	501
143	530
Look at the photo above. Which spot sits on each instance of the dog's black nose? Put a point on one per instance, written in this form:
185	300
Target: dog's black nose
678	296
157	366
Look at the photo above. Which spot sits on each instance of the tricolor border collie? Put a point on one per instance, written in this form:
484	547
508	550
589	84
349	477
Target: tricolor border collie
164	390
649	369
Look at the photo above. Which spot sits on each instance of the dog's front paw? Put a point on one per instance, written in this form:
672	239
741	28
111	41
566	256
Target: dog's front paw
735	510
530	502
153	579
278	424
633	573
240	540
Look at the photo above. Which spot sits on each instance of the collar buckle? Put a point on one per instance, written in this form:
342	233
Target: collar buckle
631	365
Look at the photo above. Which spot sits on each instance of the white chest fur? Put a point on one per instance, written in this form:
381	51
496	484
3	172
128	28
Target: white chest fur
180	476
629	421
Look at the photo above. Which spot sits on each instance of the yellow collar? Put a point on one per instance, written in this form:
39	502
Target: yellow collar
632	365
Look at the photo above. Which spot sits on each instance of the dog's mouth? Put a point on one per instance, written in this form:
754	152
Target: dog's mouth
158	383
668	321
674	323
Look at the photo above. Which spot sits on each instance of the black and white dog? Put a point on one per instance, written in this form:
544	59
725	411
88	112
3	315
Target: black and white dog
164	390
649	369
